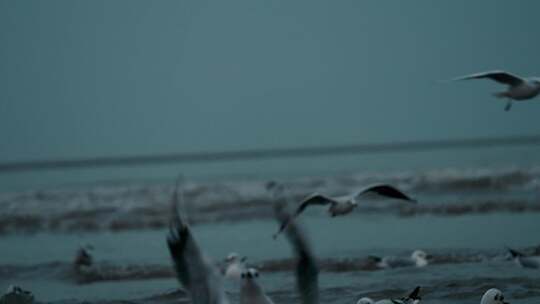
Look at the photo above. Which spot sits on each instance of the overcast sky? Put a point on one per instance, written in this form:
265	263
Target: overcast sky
88	78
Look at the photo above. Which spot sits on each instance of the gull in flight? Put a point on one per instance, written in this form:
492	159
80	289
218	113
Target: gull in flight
234	266
417	259
343	205
307	270
493	296
518	88
203	282
525	261
412	298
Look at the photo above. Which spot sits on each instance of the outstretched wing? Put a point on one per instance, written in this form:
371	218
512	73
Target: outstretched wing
414	295
198	276
307	271
386	191
314	199
498	76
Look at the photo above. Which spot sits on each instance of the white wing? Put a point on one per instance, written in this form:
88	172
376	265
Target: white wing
498	76
197	275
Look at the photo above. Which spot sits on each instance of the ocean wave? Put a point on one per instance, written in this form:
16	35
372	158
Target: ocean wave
117	207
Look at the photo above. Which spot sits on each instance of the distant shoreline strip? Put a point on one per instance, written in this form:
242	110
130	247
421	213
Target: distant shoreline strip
275	153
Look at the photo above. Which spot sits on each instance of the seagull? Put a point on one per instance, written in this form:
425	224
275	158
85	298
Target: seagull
519	88
234	266
83	258
16	295
412	298
417	259
525	261
343	205
251	292
307	270
194	271
493	296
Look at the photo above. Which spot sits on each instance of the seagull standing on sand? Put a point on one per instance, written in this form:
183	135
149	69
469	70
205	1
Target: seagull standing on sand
412	298
519	88
343	205
493	296
525	261
417	259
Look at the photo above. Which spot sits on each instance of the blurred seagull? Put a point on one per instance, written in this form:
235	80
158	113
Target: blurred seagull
412	298
493	296
519	88
525	261
417	259
307	270
194	271
234	266
251	292
343	205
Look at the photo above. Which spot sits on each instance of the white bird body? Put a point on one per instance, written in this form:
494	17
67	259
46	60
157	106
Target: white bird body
412	298
528	262
342	206
526	90
523	260
235	266
518	88
250	291
234	271
417	259
493	296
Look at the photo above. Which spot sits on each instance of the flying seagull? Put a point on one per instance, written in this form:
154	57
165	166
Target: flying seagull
493	296
343	205
196	273
525	261
519	88
412	298
307	270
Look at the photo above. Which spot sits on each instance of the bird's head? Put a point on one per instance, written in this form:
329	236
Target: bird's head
493	296
365	300
250	274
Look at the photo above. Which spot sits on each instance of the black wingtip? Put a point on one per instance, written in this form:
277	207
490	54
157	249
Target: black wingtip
415	294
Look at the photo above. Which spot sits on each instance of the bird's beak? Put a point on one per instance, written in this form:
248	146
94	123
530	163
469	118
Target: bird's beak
243	259
429	256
